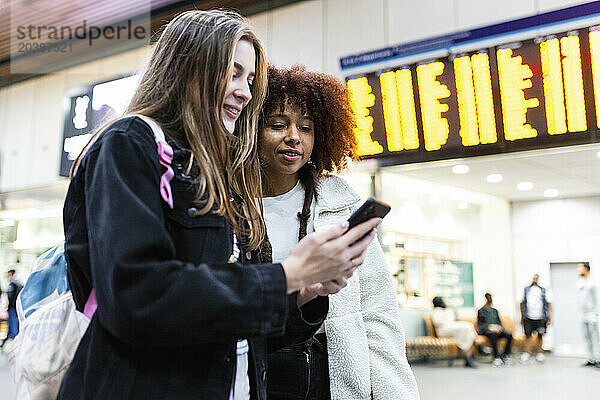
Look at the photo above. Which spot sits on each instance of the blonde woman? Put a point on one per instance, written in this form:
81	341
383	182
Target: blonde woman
164	232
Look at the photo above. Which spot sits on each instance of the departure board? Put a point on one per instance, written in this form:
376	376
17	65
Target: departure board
537	93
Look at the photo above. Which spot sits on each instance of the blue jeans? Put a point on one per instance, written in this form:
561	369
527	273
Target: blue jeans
13	323
299	372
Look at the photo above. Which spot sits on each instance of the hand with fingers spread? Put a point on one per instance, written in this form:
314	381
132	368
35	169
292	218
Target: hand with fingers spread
330	256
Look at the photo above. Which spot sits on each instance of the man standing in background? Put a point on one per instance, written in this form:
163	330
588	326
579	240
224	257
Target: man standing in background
587	303
14	287
536	315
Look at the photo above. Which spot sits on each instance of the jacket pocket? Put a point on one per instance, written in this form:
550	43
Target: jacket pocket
188	218
197	238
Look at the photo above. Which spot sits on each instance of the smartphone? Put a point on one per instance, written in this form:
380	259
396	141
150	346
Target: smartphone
371	208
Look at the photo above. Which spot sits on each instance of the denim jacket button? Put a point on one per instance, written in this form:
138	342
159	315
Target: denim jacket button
192	211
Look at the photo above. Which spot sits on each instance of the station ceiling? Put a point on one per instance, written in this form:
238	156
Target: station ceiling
572	171
22	58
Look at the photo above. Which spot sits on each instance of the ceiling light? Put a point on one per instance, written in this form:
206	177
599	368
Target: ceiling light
598	154
463	205
494	178
551	193
525	186
460	169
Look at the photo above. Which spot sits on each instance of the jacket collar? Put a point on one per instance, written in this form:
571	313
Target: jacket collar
334	194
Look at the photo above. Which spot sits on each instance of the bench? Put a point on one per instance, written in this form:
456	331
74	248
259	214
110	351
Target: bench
445	348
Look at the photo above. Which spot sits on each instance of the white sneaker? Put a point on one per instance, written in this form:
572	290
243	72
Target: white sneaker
525	358
507	361
498	362
539	357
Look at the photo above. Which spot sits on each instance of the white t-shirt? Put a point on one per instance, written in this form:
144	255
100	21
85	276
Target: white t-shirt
535	305
283	225
587	299
240	390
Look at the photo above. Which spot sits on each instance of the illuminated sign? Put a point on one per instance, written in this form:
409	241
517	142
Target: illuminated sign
92	107
537	93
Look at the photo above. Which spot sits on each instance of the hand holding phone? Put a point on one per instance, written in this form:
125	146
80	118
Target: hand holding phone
371	208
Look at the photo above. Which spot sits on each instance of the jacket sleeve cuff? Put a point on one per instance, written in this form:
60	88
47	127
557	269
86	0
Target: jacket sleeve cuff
314	312
275	301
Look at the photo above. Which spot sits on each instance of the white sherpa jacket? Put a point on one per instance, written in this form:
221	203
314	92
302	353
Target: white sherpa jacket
365	336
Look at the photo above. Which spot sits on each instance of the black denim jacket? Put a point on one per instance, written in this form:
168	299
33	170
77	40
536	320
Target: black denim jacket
170	306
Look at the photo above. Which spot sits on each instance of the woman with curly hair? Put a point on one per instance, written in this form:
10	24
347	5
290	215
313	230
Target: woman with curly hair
306	133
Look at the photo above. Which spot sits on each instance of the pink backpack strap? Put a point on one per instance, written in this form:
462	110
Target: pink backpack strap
165	154
90	305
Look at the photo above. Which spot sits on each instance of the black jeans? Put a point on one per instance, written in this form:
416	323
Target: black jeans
299	372
494	337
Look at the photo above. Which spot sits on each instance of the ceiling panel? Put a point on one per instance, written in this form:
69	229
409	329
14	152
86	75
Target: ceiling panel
574	171
72	13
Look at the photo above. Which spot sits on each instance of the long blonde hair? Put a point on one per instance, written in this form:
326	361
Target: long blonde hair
183	89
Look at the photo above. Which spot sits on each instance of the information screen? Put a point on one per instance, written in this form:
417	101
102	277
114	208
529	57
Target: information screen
89	110
531	94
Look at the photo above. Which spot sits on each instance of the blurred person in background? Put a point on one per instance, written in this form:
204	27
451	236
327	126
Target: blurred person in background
166	232
490	326
12	291
446	323
588	297
536	315
306	134
3	310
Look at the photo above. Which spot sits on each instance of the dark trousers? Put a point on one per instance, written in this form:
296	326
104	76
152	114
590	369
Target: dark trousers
494	337
299	372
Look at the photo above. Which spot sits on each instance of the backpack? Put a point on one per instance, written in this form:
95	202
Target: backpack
50	328
50	325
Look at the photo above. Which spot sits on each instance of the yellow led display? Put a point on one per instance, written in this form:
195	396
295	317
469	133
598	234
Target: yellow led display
408	115
399	110
553	87
389	98
595	53
361	98
475	101
510	91
576	118
465	92
514	77
483	95
435	127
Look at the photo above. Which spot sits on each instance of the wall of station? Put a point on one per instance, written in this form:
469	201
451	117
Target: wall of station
554	231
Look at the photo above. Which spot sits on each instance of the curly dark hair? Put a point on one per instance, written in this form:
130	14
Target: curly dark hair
326	99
